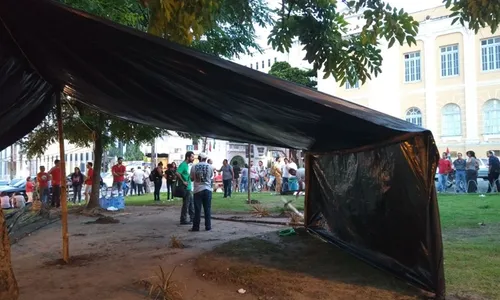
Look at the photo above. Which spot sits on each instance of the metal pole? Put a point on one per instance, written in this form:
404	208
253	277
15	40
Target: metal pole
64	203
249	180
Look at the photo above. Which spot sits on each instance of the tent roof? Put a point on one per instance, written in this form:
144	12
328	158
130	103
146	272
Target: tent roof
126	73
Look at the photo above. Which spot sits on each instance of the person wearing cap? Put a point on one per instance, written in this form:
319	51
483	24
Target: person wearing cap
118	172
201	175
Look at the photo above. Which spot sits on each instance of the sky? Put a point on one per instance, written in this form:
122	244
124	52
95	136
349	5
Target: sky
407	5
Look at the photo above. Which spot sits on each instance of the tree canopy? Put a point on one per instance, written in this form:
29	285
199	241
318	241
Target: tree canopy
133	152
283	70
228	27
80	125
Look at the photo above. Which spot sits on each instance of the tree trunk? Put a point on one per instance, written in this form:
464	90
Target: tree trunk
153	154
294	155
96	180
8	283
204	146
12	165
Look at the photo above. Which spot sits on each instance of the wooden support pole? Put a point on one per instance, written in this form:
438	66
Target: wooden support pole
64	197
249	180
307	199
259	221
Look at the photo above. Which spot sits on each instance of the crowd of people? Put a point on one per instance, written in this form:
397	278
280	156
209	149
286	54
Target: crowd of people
282	177
466	172
195	183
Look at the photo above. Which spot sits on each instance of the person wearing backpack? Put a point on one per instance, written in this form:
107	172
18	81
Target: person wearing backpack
493	171
156	177
171	180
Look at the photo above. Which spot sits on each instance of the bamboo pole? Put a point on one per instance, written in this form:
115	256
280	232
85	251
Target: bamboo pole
64	202
259	221
308	167
249	180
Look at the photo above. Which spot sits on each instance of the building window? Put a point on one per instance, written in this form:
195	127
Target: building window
490	54
251	66
81	157
414	115
451	122
491	116
348	86
71	157
87	157
412	67
275	59
263	65
256	65
269	62
449	61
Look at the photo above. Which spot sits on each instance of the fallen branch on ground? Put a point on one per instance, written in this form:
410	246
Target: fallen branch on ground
259	222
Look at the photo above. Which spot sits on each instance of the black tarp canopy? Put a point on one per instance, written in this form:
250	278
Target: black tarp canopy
370	175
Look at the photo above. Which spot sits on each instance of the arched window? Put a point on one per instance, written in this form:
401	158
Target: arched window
491	116
414	115
451	121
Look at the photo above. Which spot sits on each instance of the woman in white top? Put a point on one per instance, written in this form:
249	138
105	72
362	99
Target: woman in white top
18	201
5	201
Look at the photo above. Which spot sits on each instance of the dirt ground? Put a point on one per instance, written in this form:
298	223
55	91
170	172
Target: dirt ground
113	261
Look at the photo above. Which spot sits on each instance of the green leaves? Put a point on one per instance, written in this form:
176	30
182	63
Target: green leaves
234	30
283	70
476	14
79	123
329	41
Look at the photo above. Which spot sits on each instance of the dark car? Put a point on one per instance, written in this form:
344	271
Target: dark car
19	186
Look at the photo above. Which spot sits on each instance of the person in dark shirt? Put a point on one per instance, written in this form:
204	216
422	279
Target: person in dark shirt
77	183
459	165
493	171
236	171
171	180
157	177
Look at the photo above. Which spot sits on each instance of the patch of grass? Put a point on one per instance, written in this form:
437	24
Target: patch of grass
236	204
260	211
471	255
176	243
164	288
466	211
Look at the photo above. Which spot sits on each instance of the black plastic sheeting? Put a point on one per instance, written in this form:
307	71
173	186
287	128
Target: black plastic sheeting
392	223
380	204
145	79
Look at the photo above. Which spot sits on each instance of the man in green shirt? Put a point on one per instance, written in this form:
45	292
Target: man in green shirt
183	173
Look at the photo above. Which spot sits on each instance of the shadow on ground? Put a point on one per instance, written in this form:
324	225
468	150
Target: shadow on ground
298	267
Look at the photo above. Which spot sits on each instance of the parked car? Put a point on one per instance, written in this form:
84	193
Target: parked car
483	169
16	186
4	182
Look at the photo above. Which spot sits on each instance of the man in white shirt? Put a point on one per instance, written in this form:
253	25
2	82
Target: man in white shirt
201	175
286	174
18	201
139	177
262	174
147	181
292	178
254	176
